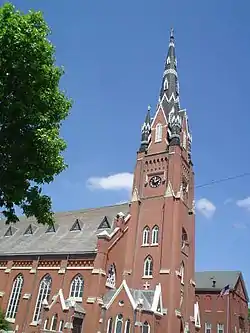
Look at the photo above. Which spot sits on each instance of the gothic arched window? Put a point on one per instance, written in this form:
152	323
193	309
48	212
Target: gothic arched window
43	293
14	297
158	133
111	277
145	236
146	327
127	326
110	325
182	272
155	235
76	287
54	320
46	324
165	84
148	266
61	326
118	323
184	238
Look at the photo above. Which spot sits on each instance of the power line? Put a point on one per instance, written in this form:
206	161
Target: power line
217	181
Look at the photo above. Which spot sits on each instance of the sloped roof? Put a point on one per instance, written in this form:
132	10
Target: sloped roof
63	240
204	280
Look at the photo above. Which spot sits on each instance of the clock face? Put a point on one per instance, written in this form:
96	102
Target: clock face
155	181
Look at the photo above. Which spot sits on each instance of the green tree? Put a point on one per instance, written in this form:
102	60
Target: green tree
4	324
32	108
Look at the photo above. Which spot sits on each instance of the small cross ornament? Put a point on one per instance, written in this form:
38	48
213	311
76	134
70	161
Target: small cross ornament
146	285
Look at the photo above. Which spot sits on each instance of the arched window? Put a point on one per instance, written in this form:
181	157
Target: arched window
110	325
145	236
43	293
127	326
182	272
54	320
148	266
46	324
158	133
145	327
14	297
155	235
76	287
61	326
184	238
118	323
165	84
111	277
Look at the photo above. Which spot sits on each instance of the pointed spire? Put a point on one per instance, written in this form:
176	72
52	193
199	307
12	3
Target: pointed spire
170	84
169	94
145	131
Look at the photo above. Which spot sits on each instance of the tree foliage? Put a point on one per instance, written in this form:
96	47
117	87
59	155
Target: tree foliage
32	108
4	324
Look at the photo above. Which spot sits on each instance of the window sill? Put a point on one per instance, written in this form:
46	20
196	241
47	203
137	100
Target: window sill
34	323
147	277
76	299
154	244
10	320
144	245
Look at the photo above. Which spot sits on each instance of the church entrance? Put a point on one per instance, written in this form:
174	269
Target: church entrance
77	324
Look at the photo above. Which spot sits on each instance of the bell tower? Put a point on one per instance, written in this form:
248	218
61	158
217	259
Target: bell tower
161	235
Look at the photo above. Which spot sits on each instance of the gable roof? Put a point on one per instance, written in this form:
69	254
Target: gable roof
204	280
63	240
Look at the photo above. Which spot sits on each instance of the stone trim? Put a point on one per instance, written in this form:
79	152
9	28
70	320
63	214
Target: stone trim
164	271
99	271
2	293
26	296
7	270
91	300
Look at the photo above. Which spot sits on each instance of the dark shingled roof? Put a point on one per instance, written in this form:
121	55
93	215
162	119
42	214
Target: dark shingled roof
204	280
63	240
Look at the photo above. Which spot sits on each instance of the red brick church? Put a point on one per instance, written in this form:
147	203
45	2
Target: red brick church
126	268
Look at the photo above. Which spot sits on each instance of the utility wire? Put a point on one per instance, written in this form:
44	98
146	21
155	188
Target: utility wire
212	182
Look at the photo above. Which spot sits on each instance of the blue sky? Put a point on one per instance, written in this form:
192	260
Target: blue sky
113	53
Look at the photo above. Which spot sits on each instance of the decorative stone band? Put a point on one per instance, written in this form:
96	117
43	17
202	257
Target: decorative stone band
2	293
170	71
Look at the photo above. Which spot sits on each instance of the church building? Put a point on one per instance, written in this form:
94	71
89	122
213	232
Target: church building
127	268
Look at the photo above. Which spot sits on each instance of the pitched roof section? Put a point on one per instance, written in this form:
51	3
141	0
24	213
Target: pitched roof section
204	280
63	240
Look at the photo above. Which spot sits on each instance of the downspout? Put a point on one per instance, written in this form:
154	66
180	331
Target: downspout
103	317
24	325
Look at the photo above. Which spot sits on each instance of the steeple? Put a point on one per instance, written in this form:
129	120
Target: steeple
146	131
169	94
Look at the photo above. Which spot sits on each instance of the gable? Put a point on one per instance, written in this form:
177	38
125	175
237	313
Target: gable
124	291
76	226
29	230
10	231
240	288
104	224
51	228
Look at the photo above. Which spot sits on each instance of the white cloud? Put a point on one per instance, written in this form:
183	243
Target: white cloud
239	225
116	182
205	207
244	203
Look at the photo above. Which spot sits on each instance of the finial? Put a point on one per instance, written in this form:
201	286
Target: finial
172	33
149	107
